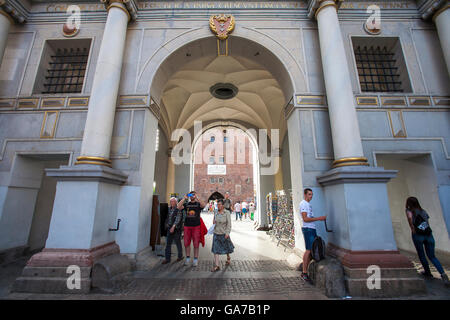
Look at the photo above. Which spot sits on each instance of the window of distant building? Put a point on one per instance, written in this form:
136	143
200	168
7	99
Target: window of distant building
212	139
211	160
221	160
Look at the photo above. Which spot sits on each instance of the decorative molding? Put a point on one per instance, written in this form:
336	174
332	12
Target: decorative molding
14	11
353	161
396	131
314	6
133	100
7	103
310	100
367	101
393	101
53	102
155	108
94	161
419	101
78	102
48	128
430	8
356	174
129	6
28	103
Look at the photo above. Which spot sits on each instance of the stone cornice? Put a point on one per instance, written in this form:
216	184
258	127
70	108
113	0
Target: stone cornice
130	5
429	8
13	10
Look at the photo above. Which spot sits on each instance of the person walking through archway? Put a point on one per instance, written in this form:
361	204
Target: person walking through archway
192	230
221	240
422	236
227	203
237	209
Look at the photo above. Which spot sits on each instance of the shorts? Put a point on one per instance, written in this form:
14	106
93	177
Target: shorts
192	233
309	234
244	211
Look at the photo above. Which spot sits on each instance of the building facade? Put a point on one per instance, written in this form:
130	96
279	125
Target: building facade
224	163
348	98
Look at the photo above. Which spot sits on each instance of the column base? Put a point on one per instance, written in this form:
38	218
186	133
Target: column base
46	271
398	277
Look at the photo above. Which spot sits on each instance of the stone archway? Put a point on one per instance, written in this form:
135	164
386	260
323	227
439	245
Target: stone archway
215	196
182	76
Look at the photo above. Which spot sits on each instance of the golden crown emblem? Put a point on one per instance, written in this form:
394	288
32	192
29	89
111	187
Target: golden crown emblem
222	25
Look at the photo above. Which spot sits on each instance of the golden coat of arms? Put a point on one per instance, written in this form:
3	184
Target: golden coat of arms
222	25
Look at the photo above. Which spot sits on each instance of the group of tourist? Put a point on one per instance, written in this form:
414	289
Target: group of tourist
195	230
244	210
421	232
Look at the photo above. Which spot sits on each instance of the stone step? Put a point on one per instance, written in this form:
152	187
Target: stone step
52	272
49	285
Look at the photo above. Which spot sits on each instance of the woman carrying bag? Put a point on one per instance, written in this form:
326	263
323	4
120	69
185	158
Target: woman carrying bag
221	240
423	237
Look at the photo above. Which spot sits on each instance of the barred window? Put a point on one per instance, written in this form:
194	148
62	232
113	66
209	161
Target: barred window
63	67
381	66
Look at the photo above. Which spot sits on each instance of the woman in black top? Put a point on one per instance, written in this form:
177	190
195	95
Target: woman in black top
423	237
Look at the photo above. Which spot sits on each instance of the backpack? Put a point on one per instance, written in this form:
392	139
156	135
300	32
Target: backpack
420	223
318	249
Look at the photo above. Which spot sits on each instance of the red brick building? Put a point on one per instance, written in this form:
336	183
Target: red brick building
224	163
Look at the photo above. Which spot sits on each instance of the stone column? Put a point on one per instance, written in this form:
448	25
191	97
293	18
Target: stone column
356	197
88	196
442	20
96	145
5	24
344	122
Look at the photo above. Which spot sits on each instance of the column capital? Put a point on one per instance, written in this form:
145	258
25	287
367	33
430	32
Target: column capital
430	9
13	11
314	6
129	6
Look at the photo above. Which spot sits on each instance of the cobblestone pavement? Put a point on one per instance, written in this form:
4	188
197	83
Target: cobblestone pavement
259	270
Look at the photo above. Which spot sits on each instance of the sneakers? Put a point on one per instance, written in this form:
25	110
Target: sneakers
306	278
426	274
445	280
188	260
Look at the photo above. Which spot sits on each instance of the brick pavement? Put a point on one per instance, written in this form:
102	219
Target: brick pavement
259	270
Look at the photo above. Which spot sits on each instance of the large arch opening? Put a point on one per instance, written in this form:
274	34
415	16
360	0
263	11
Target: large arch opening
246	89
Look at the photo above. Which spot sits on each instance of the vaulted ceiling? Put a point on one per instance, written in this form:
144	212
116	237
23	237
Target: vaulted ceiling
190	73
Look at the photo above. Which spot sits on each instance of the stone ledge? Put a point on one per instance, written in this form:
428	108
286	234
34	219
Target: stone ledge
88	173
356	174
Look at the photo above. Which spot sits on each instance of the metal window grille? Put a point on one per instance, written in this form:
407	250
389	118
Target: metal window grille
67	68
377	70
